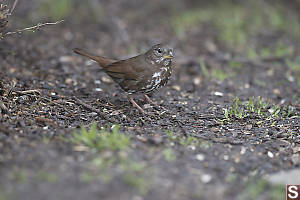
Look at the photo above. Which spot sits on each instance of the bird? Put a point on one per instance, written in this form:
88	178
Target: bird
141	74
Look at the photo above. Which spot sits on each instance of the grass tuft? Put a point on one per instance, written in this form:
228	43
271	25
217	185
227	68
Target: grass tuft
262	109
104	140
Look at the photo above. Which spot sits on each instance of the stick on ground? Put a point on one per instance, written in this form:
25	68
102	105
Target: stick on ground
79	102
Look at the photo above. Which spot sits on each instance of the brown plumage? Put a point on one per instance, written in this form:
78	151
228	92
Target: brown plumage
140	74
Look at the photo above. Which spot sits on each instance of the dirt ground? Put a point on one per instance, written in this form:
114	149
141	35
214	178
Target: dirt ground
226	120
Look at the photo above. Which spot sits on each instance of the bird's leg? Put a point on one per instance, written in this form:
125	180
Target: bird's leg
136	105
150	101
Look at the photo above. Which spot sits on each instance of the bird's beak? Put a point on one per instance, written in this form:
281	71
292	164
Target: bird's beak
170	54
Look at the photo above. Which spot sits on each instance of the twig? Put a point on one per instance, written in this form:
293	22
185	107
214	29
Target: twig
206	116
13	7
79	102
44	120
33	28
29	92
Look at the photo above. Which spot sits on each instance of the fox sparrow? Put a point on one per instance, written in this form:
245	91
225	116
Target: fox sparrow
143	74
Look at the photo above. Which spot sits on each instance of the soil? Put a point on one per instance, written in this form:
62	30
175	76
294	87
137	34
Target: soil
48	92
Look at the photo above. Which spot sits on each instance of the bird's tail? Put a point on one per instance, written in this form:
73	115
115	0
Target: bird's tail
101	60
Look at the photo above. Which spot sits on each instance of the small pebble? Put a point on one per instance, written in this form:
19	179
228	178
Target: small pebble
220	94
98	90
270	154
191	147
249	126
197	81
276	91
225	157
68	81
176	87
66	59
200	157
97	81
247	86
206	178
146	106
243	150
106	79
94	114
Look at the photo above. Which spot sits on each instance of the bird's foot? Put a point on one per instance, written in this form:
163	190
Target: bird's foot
137	106
156	105
151	102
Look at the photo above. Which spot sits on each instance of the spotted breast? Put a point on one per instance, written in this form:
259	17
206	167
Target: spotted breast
159	79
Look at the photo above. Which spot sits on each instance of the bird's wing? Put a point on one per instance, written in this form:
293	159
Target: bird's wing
130	69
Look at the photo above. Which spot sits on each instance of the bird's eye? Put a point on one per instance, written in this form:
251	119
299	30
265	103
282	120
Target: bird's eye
159	50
